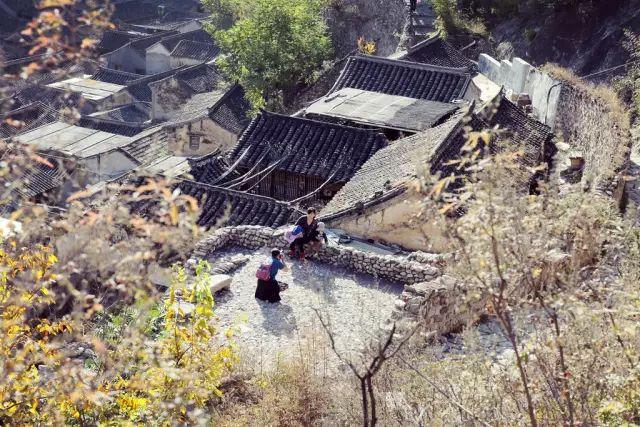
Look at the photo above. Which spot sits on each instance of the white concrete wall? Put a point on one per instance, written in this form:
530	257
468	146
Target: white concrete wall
394	222
126	59
518	76
157	59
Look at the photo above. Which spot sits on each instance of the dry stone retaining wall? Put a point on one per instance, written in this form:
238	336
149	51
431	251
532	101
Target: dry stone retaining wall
437	300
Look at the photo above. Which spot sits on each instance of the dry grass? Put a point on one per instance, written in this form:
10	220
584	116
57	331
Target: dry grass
594	119
601	93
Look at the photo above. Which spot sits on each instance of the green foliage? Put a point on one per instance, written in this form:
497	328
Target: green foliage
273	46
452	20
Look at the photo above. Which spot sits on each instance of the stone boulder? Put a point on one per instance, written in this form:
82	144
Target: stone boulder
219	282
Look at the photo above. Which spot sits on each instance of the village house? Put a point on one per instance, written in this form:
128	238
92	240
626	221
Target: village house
208	122
189	52
396	116
127	120
380	201
98	151
80	157
404	78
158	55
290	157
151	54
96	95
437	51
132	57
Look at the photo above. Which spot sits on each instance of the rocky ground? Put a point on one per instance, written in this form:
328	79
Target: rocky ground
356	305
633	186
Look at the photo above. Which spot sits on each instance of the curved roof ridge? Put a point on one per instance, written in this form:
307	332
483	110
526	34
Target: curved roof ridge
413	64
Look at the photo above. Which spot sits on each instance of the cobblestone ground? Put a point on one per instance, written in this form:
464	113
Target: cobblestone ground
355	304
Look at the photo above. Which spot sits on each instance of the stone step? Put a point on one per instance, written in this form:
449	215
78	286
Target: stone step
424	14
423	26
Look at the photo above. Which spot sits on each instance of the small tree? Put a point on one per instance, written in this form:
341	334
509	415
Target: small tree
272	47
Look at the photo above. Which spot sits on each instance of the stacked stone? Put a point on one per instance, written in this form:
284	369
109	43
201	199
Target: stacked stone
215	241
436	260
393	267
228	265
442	305
436	300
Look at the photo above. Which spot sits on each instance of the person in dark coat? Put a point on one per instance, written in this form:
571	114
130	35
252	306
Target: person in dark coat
269	290
309	225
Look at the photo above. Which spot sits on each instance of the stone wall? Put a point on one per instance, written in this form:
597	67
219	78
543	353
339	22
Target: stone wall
442	304
588	119
599	133
518	76
437	300
381	21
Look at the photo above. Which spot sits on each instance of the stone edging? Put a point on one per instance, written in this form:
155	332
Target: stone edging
428	295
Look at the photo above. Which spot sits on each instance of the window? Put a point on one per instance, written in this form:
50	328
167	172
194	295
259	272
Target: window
194	142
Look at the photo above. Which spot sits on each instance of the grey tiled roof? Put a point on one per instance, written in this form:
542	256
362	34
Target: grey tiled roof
148	146
197	106
244	208
40	179
380	110
515	126
114	39
30	116
200	78
117	77
307	147
211	169
200	36
198	51
121	128
403	78
127	120
141	45
436	51
391	167
232	111
139	88
131	113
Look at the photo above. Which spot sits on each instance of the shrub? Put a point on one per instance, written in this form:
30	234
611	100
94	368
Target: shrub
273	47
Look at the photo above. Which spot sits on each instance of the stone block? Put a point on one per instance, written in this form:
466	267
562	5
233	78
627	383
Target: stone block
488	66
520	70
219	282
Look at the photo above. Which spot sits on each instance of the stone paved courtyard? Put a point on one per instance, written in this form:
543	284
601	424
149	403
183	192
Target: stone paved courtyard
355	304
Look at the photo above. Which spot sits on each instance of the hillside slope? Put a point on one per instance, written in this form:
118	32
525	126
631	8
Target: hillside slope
584	39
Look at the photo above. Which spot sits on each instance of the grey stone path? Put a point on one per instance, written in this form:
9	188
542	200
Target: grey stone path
424	18
357	305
